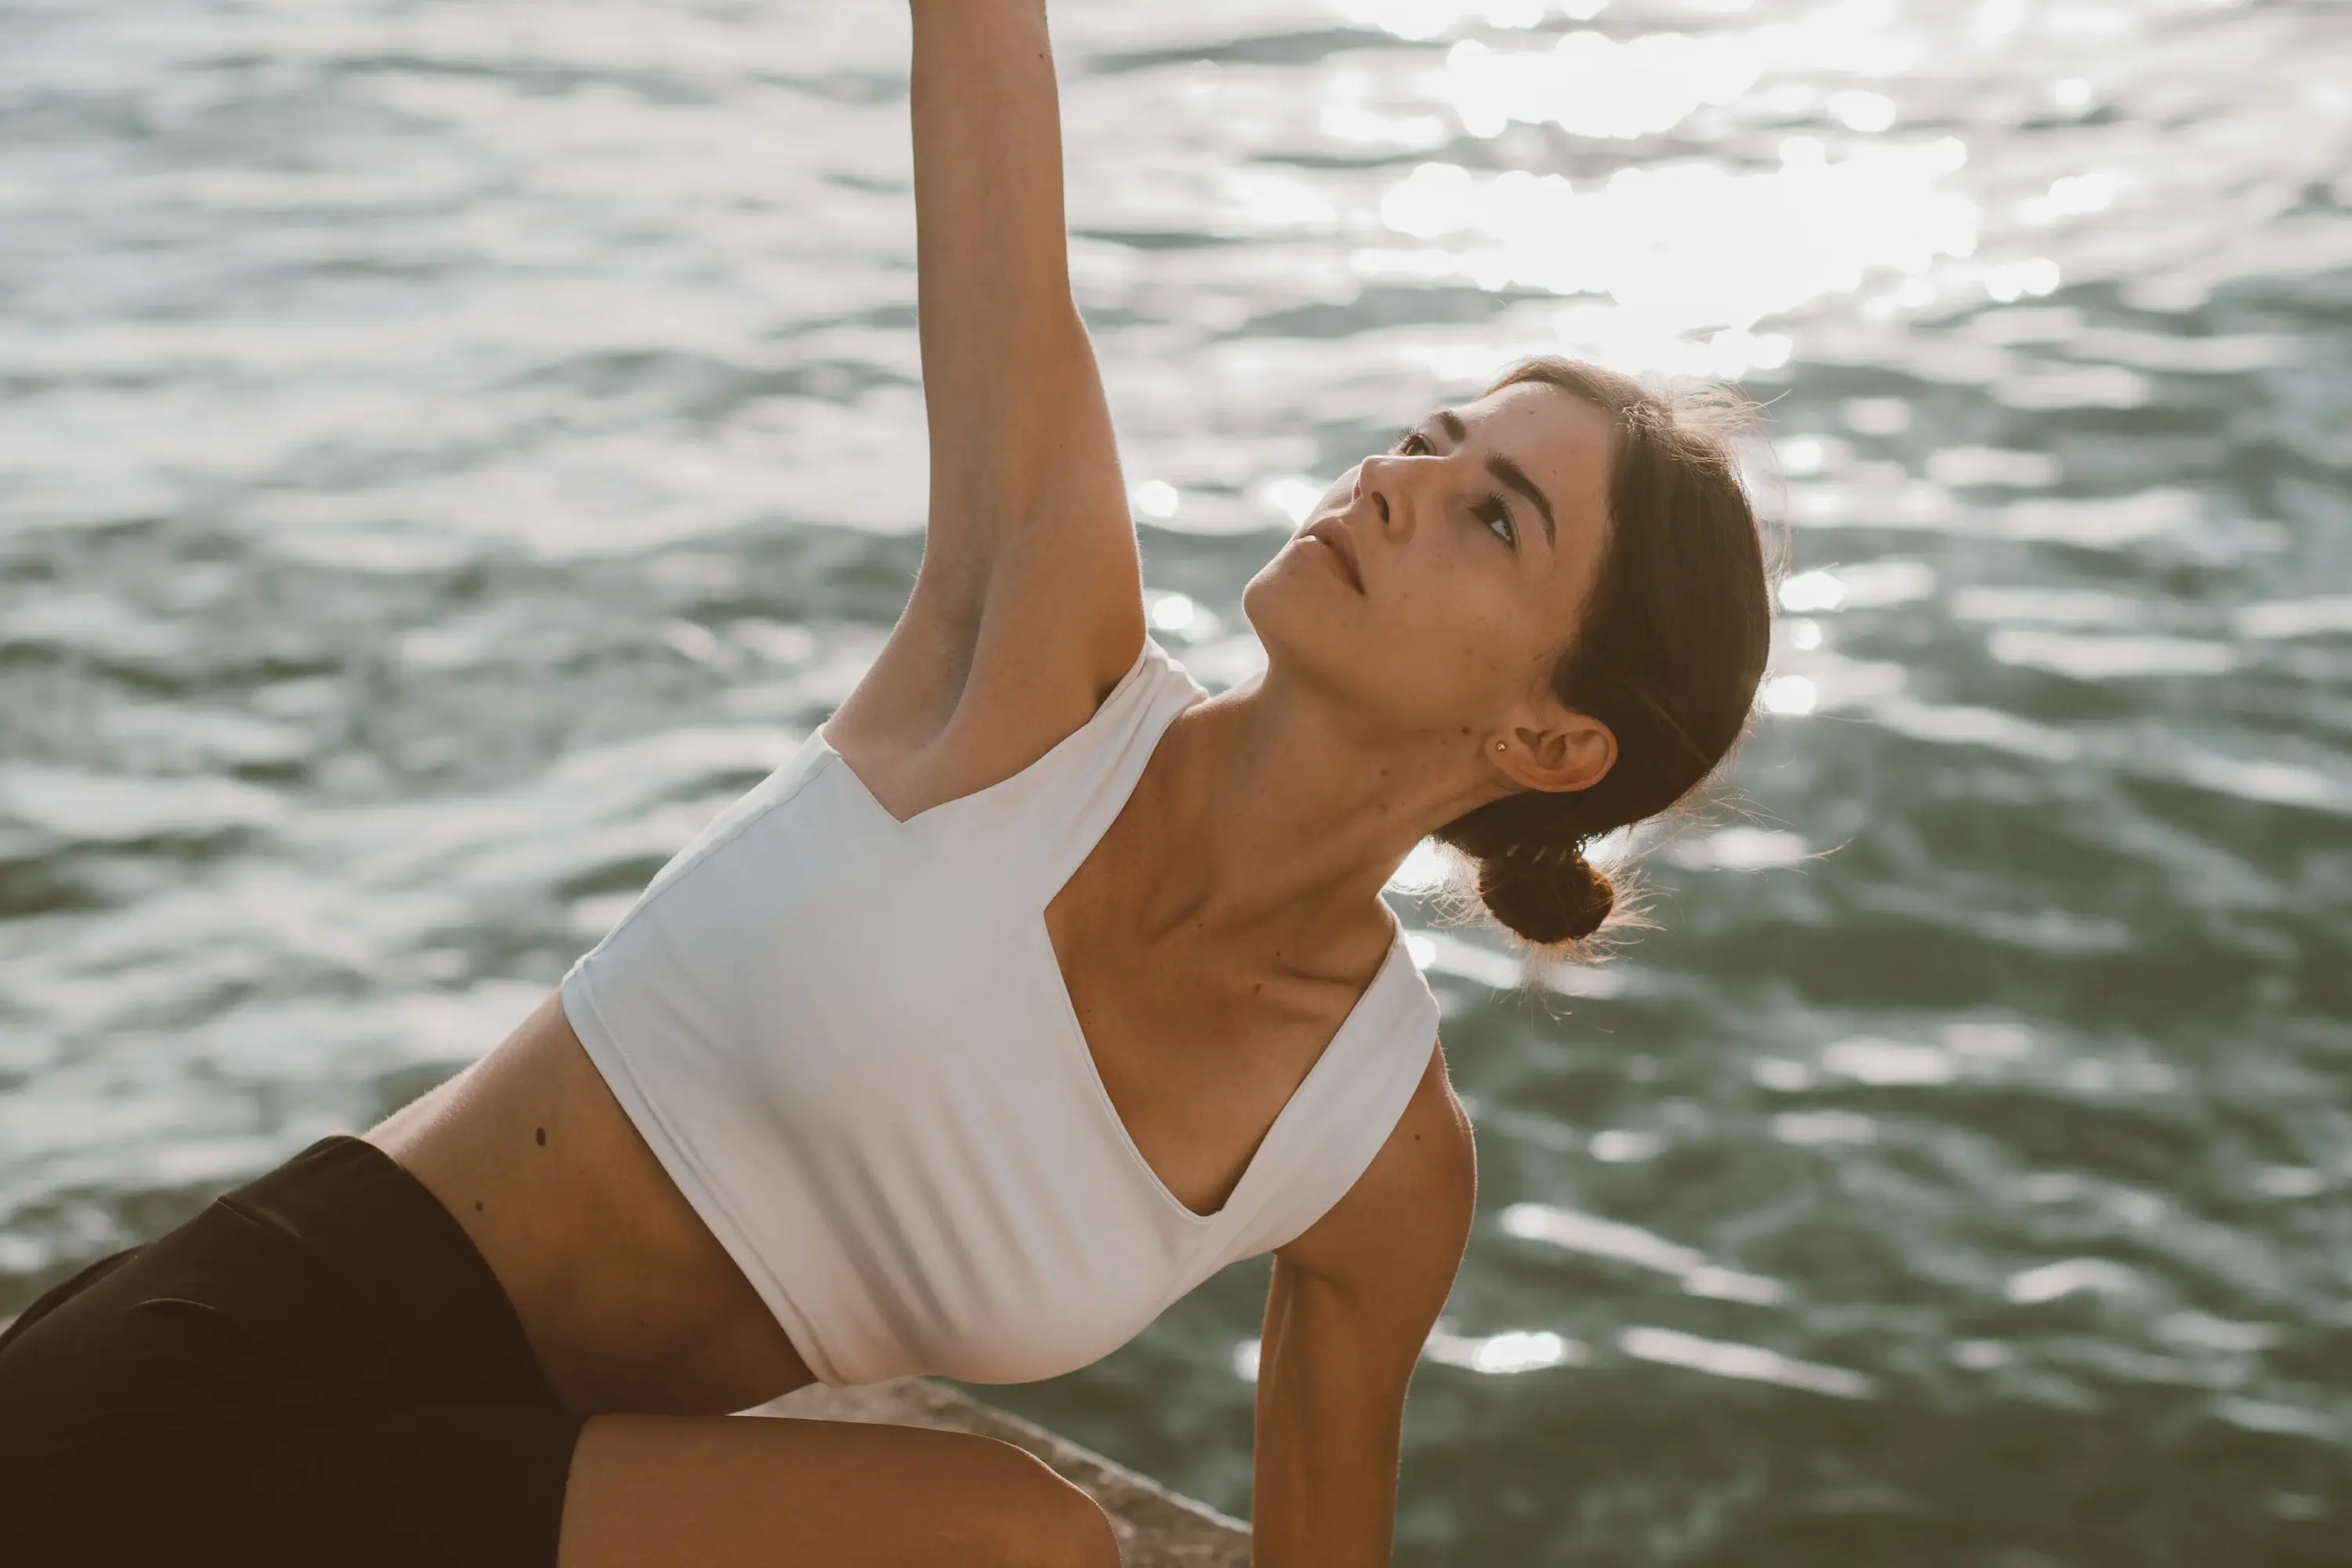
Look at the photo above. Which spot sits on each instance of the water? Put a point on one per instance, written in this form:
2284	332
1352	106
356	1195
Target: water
451	449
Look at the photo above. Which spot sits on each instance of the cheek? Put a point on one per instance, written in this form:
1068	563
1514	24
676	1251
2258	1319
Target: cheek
1462	605
1462	633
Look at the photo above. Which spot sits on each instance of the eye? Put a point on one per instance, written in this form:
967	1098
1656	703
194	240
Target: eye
1412	444
1496	513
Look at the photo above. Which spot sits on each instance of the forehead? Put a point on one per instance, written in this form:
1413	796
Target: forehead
1567	444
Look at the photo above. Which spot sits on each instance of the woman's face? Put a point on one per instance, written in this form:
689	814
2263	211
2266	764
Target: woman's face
1436	586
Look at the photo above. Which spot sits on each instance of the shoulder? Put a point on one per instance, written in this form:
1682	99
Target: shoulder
928	724
1032	682
1407	1220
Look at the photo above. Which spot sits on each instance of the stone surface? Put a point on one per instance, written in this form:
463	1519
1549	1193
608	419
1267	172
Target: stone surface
1156	1528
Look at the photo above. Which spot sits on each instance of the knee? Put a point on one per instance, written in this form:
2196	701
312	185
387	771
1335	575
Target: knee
1078	1534
1046	1523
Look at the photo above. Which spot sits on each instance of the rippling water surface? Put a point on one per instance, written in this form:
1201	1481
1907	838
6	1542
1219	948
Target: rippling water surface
452	448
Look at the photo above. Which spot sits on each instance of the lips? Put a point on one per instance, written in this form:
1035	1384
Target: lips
1332	535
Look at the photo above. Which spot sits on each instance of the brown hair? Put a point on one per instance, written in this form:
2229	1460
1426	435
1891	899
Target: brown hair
1674	642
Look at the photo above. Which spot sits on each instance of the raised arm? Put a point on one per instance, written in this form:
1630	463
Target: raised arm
1029	603
1352	1302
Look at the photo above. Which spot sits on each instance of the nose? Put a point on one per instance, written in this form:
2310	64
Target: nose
1382	477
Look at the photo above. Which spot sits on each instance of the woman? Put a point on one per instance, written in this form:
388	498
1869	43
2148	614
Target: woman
1036	988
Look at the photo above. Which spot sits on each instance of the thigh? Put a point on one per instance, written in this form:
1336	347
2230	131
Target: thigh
782	1492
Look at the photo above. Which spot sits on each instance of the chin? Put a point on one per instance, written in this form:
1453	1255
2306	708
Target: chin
1316	638
1301	623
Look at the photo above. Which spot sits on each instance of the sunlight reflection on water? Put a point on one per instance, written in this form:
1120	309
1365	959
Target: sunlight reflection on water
453	450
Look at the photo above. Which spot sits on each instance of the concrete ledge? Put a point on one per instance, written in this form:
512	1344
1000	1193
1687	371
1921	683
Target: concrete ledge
1156	1528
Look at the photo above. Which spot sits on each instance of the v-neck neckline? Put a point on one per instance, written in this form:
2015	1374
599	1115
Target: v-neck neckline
1074	1030
1310	1085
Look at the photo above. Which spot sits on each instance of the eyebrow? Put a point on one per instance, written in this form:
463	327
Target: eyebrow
1510	472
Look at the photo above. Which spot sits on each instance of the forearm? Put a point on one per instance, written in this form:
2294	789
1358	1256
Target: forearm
1327	1448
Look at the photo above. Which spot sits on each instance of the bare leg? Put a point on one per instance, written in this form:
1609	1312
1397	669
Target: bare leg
649	1492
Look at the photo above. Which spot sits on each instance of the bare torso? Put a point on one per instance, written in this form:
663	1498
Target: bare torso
628	1300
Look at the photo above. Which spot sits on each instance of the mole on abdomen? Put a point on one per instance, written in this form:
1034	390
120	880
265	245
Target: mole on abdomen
477	1205
542	1137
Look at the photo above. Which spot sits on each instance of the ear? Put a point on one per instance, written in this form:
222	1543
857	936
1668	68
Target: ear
1557	750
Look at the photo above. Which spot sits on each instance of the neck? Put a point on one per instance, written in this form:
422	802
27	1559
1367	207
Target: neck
1274	818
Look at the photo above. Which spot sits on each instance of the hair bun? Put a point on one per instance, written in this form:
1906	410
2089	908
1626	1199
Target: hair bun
1547	896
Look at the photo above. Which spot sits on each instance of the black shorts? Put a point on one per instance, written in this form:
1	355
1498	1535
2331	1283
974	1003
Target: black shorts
318	1369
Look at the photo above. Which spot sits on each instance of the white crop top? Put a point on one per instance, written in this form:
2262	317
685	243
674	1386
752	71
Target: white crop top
848	1041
